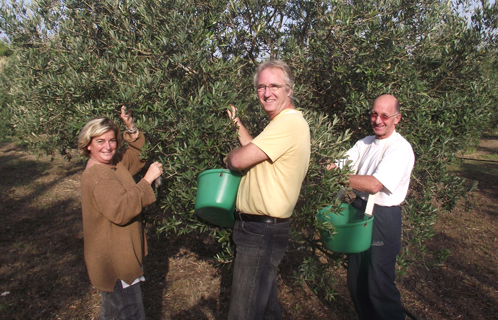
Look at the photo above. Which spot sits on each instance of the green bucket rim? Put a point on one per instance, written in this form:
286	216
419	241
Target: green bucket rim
233	173
344	230
214	212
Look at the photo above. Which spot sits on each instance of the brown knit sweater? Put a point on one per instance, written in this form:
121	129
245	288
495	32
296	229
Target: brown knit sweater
111	201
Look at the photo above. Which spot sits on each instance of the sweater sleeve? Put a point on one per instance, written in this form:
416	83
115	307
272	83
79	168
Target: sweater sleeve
131	157
119	204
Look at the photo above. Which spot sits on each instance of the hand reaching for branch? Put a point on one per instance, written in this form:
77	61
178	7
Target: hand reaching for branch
126	117
244	136
331	166
232	115
155	171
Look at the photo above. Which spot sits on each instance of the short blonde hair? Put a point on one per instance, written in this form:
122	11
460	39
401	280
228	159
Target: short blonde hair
94	128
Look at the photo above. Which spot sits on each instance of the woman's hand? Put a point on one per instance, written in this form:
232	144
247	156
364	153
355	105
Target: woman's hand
131	128
126	117
154	172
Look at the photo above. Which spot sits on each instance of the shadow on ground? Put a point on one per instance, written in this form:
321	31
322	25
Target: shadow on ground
460	282
41	247
43	275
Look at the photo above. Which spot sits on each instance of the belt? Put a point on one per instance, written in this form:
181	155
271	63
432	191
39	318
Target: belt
258	218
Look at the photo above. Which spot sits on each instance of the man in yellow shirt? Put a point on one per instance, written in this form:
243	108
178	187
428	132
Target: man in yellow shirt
276	162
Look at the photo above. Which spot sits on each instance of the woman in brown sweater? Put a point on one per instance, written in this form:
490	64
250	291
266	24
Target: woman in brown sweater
114	238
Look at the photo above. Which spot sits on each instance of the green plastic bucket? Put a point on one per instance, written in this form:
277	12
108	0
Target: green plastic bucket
354	230
216	194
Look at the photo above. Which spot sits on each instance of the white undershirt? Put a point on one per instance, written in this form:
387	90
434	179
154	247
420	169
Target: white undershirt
137	280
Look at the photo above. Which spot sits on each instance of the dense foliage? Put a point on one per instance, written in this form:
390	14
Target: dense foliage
178	64
4	49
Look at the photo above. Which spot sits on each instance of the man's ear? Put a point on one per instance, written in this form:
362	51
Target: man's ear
397	118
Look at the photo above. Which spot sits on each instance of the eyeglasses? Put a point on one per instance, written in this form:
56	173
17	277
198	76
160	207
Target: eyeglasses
383	117
272	87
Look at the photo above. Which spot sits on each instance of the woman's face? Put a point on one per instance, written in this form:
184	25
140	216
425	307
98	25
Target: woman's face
103	147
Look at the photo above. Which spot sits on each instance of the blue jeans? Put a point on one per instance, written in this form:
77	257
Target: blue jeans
122	304
260	248
371	273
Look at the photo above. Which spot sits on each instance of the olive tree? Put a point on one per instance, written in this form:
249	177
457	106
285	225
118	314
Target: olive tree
179	64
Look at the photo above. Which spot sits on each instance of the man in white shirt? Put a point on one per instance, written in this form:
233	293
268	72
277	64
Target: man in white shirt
385	164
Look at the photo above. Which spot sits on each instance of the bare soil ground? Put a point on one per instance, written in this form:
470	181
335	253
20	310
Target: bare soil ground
43	275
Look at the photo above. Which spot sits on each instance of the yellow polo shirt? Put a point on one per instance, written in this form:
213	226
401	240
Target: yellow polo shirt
272	187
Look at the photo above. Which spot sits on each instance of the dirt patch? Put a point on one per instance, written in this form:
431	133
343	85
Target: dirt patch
43	275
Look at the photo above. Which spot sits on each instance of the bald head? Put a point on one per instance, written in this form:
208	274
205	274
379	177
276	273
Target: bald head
385	116
389	100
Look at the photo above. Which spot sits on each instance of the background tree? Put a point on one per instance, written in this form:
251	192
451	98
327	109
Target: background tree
4	49
178	64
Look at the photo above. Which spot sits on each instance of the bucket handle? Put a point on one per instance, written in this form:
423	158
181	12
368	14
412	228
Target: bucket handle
370	203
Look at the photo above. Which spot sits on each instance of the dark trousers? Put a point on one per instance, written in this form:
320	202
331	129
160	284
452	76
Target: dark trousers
260	248
122	304
371	273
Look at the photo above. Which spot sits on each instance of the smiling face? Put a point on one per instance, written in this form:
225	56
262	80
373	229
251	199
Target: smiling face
273	102
103	148
384	107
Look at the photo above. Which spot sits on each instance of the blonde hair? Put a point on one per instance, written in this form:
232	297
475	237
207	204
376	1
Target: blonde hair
94	128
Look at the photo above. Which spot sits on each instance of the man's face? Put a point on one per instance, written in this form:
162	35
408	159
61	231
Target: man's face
383	118
273	102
